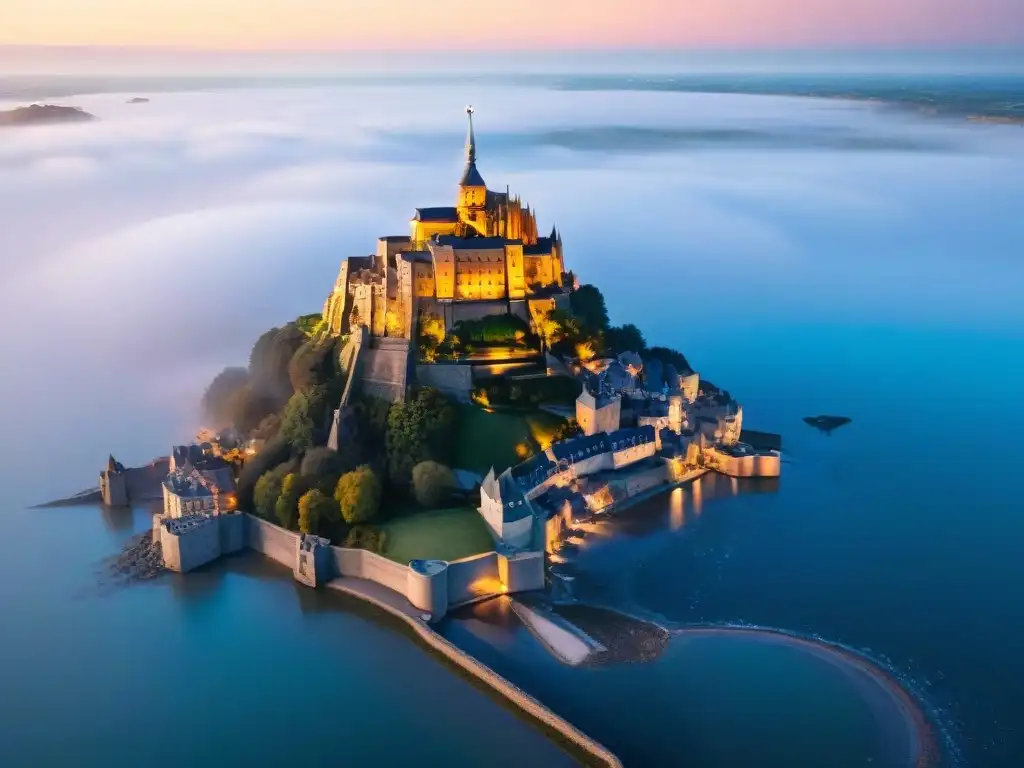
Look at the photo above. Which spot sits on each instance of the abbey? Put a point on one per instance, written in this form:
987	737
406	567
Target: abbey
480	257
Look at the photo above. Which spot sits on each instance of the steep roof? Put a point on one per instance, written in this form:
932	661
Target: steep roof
504	490
471	177
443	213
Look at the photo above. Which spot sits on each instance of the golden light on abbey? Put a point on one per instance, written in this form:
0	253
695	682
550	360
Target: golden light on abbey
478	258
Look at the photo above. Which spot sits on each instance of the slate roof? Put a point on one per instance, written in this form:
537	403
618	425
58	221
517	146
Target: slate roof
476	243
534	471
621	439
445	213
471	176
186	485
543	246
504	490
580	448
395	238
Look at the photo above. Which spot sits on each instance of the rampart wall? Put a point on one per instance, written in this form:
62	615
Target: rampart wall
367	565
455	380
472	578
273	541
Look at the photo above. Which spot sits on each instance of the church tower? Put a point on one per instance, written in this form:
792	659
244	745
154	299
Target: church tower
472	189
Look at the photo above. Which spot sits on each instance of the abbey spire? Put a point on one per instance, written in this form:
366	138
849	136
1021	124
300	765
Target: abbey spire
471	176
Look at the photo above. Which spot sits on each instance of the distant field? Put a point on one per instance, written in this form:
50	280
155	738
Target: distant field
439	534
489	439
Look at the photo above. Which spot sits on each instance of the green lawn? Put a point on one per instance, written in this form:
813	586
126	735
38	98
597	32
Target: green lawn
488	439
439	534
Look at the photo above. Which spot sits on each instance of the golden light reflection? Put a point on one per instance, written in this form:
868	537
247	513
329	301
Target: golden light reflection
734	486
698	498
677	509
487	586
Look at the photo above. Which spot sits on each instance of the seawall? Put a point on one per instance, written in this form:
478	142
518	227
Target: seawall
386	585
600	754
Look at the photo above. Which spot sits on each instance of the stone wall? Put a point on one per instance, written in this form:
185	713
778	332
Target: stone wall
232	530
273	541
472	578
195	542
367	565
454	380
631	484
521	571
384	369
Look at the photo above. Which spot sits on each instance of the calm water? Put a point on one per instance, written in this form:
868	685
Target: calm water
234	664
890	536
810	256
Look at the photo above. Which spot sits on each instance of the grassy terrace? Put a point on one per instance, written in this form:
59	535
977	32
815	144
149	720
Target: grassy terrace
439	534
489	438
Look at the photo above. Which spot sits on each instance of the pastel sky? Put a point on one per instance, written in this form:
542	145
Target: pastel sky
517	24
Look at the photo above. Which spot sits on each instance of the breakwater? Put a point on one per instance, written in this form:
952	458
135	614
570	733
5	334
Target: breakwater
598	754
911	736
393	587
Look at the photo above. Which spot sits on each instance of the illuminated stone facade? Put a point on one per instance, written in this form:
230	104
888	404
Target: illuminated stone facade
480	257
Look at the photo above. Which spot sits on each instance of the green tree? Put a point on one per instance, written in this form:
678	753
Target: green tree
432	483
306	418
287	508
314	507
269	359
276	451
366	537
588	305
358	494
568	428
668	356
268	491
323	467
418	429
248	408
625	338
217	400
312	364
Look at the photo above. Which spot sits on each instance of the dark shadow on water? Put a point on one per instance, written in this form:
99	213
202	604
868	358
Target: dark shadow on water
118	519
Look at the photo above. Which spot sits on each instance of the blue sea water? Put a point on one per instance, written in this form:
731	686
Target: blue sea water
811	256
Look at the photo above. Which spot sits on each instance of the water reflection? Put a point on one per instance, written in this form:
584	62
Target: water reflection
118	519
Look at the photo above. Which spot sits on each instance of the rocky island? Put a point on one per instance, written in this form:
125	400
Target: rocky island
442	433
827	424
44	114
138	100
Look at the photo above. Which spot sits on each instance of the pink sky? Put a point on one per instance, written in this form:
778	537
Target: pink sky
518	24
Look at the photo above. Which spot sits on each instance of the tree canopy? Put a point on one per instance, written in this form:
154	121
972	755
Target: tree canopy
432	483
358	495
625	338
667	356
287	507
314	507
275	452
218	398
588	305
418	429
269	359
268	491
312	364
305	421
